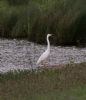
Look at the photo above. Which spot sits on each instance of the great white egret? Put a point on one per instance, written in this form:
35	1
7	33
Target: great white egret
45	55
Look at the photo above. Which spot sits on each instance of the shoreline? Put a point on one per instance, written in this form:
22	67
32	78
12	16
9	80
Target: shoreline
22	54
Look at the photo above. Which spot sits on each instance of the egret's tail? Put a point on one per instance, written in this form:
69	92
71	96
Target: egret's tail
38	62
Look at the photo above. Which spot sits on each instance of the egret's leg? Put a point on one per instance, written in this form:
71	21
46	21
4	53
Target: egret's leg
45	64
41	64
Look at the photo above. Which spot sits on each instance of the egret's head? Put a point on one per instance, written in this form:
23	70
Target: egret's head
48	35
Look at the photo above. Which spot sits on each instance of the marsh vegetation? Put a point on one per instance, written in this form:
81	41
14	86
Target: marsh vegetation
33	19
67	83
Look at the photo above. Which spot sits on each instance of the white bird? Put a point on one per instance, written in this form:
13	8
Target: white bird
45	55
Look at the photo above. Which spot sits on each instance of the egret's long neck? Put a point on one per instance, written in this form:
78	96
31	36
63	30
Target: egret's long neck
48	43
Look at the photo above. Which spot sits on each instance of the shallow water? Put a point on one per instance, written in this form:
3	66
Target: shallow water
21	54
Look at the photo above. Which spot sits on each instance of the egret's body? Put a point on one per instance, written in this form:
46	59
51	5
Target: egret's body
45	55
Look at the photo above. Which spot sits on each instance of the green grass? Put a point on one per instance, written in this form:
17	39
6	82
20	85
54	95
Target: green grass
33	19
68	83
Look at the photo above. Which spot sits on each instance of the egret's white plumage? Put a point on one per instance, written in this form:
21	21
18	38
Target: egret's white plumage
46	53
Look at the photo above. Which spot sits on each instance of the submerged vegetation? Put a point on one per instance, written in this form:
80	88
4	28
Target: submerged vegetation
67	83
33	19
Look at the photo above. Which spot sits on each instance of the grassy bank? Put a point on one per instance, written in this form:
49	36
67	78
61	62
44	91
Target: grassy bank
67	83
33	19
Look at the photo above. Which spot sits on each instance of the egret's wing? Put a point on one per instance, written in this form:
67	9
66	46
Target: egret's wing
43	57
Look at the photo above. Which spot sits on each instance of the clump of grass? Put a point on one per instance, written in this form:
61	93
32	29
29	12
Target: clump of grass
48	84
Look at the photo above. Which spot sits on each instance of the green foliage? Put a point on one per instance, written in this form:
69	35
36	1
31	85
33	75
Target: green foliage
34	19
67	83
